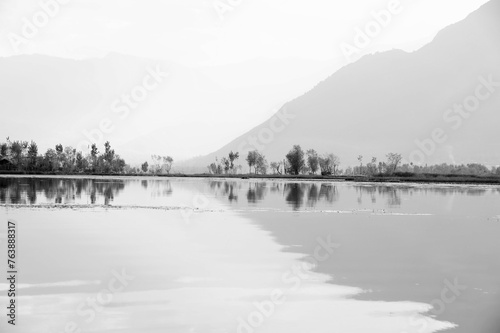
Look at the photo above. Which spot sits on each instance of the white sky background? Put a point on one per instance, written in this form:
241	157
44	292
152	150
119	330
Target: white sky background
297	43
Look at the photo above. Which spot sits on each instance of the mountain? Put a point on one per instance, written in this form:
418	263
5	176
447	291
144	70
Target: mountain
52	100
386	102
55	100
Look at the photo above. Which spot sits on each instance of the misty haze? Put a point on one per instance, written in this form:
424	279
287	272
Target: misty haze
222	166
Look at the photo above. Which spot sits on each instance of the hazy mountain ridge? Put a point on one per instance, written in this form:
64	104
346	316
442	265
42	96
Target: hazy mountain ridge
76	93
353	111
39	89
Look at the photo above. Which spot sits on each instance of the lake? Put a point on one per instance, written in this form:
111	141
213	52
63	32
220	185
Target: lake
116	254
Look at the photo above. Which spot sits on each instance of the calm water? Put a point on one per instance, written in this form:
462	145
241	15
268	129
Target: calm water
202	252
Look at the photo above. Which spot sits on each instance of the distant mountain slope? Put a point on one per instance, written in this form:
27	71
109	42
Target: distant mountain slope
384	102
53	99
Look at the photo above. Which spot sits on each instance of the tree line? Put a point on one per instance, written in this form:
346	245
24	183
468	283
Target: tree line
310	162
159	165
296	162
24	156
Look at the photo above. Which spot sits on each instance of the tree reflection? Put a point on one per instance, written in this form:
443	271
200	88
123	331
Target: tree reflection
393	194
31	191
60	191
227	189
256	192
329	193
295	195
313	195
158	187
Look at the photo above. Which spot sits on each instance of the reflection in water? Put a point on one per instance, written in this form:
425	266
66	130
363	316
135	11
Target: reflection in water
230	191
256	192
227	189
59	191
296	195
329	193
367	258
393	194
159	187
69	191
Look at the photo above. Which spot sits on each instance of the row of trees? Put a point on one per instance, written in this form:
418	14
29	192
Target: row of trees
389	166
225	165
393	165
159	165
298	162
24	156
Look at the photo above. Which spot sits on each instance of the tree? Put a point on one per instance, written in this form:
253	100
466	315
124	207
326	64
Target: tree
93	156
51	160
118	165
226	164
212	168
161	164
261	164
24	156
381	167
144	167
360	159
4	150
312	160
276	167
328	164
81	163
252	159
69	159
167	163
335	163
16	150
109	154
392	162
325	166
155	165
296	159
232	158
32	155
372	166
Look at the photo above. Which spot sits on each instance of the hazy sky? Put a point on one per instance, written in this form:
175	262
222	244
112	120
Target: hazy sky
294	45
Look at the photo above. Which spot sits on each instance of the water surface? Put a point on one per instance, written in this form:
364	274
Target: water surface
203	252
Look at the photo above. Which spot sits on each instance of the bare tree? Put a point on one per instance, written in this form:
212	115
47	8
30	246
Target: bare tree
360	159
393	161
329	164
276	167
167	163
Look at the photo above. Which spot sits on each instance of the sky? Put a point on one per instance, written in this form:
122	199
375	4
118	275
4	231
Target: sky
252	56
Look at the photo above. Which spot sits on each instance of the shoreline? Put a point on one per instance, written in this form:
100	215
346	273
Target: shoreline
416	178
